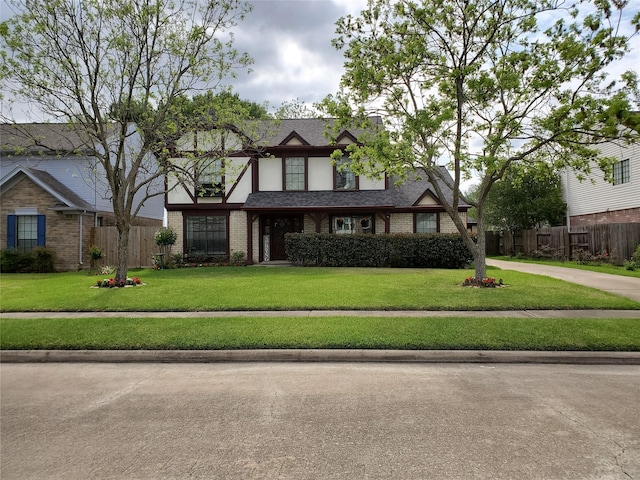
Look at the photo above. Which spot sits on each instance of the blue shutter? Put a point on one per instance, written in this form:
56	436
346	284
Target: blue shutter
11	231
42	230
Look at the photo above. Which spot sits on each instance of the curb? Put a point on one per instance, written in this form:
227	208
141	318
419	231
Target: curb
297	355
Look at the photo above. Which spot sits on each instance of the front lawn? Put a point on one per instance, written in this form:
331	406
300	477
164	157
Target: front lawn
292	288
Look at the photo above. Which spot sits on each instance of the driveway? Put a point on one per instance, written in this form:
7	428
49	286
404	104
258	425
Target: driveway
617	284
319	421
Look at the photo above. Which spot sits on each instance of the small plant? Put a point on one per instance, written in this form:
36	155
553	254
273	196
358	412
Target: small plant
107	270
634	261
482	283
95	253
237	258
166	236
113	283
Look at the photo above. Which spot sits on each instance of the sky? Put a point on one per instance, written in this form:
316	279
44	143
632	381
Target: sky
290	42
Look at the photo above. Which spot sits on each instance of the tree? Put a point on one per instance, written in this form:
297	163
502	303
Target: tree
526	197
481	86
100	64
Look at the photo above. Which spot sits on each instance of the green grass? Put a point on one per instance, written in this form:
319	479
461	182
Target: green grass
290	288
601	268
325	332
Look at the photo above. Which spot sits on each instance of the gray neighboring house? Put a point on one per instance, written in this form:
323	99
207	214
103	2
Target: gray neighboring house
53	192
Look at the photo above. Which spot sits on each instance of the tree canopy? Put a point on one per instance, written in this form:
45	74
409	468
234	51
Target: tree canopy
482	86
526	197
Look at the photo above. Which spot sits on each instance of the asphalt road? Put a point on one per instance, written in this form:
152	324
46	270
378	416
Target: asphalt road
319	421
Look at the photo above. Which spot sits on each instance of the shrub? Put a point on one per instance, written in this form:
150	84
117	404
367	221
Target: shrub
39	260
634	261
95	253
166	236
396	250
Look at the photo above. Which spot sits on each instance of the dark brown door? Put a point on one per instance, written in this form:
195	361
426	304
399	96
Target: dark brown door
280	226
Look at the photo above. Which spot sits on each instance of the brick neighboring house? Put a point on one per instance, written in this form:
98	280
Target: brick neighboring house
290	185
596	201
52	192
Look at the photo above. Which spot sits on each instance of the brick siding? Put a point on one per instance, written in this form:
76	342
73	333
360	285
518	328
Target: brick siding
627	215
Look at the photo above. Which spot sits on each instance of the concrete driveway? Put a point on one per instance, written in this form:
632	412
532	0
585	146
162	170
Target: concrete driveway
617	284
319	421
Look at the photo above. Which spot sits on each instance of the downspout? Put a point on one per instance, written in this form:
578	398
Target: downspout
80	241
567	199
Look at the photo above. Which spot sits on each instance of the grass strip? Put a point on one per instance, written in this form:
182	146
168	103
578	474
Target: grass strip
429	333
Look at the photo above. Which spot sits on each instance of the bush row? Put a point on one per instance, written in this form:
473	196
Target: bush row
405	250
39	260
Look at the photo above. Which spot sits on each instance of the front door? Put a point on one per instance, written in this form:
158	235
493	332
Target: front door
275	228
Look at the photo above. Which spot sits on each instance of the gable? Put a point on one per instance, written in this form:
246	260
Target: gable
428	198
294	139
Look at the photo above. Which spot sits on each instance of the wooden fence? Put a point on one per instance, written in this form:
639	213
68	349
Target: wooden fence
142	245
619	240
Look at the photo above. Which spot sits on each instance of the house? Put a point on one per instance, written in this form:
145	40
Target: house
52	192
595	200
290	184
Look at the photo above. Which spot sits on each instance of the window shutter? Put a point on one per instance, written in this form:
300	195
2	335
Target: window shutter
11	231
42	230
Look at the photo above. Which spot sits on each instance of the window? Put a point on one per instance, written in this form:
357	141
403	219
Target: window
207	235
621	172
210	179
426	223
345	178
347	224
294	173
25	232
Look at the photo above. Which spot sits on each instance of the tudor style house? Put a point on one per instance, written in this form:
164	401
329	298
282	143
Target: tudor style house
52	192
595	200
289	184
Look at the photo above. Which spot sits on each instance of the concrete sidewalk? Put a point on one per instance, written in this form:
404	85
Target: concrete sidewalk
620	285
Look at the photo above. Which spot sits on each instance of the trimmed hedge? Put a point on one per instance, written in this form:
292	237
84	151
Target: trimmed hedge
422	250
39	260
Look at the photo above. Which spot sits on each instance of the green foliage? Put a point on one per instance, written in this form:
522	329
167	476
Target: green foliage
528	196
398	250
483	86
38	260
95	253
634	262
166	236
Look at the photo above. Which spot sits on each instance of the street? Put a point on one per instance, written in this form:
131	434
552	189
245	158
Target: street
319	421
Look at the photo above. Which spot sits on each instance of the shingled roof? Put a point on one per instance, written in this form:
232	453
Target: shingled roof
403	196
43	138
68	200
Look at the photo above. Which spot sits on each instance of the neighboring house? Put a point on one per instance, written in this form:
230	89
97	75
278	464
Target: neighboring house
52	192
291	185
595	201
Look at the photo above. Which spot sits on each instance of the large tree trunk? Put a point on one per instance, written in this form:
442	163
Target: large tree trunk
480	255
123	253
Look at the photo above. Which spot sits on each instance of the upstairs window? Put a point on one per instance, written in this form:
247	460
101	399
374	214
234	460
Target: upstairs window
210	180
294	173
426	223
621	172
345	179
